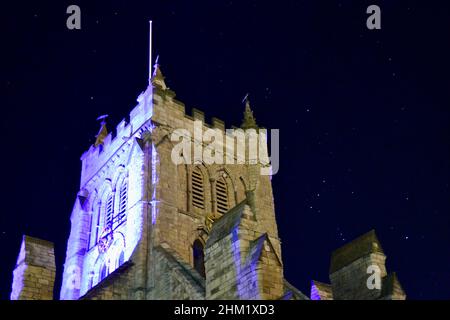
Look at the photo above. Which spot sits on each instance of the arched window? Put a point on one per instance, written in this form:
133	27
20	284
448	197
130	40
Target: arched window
103	272
198	192
222	196
121	259
91	230
91	280
98	223
199	257
123	200
109	209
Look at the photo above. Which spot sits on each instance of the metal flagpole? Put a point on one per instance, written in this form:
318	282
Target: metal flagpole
150	54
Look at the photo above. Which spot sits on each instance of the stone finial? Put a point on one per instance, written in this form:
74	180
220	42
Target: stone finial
102	133
249	121
158	78
34	274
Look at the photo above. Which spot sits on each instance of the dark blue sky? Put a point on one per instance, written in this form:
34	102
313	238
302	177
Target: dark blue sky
364	116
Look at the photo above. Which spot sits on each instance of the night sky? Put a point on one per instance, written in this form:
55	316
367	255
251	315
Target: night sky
364	116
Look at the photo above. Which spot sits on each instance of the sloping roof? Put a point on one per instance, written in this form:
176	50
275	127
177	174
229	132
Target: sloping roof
321	291
292	293
225	224
107	281
366	244
391	286
255	248
176	263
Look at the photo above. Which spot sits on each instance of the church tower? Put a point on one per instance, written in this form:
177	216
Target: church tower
144	227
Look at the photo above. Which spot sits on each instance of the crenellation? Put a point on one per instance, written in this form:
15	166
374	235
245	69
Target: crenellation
218	123
198	115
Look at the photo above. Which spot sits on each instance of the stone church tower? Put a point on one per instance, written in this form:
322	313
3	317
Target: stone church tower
144	227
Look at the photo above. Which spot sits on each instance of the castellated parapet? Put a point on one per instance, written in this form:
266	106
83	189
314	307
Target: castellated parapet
156	104
34	274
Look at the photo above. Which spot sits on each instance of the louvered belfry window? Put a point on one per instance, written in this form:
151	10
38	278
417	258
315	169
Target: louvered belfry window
123	199
109	210
222	196
198	192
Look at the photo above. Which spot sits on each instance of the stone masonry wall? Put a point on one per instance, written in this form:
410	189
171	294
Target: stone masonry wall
34	275
175	211
350	282
242	264
176	279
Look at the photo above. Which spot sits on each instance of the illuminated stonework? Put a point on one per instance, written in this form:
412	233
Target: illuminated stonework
108	215
143	227
132	247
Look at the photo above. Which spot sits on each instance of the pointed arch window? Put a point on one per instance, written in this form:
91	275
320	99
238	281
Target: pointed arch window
91	280
98	224
103	272
198	190
222	196
121	258
199	257
91	229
